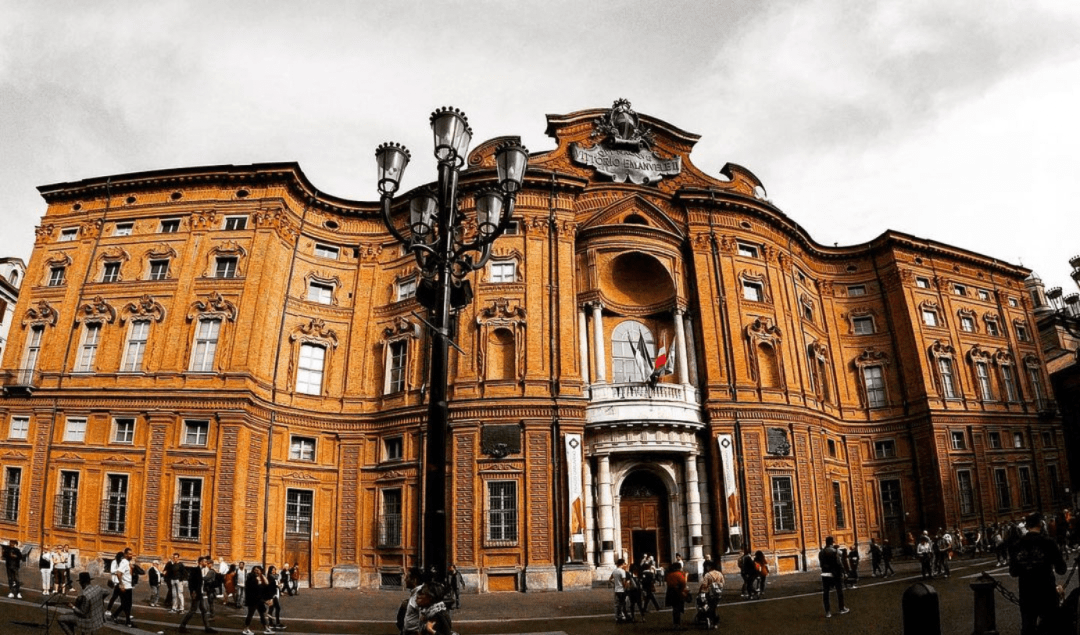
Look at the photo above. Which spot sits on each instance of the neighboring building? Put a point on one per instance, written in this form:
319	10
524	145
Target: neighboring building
1058	317
12	271
208	354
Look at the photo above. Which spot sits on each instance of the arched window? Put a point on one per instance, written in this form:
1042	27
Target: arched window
501	358
627	363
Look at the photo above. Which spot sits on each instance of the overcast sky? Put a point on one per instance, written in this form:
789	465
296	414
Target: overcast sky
947	119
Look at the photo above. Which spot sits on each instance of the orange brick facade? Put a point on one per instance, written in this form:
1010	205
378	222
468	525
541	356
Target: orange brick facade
226	360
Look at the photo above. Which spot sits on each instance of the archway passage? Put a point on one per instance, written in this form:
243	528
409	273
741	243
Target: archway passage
643	510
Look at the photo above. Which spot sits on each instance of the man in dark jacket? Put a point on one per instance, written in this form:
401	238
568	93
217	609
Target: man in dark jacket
1034	559
200	579
13	558
832	575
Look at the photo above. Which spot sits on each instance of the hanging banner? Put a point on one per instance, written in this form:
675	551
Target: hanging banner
731	491
573	486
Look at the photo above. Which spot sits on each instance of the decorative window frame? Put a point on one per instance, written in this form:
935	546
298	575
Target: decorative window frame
489	480
213	307
971	315
56	260
992	318
861	288
227	249
96	313
42	314
502	313
755	278
500	256
942	350
316	333
1018	324
860	312
321	277
111	255
1032	365
405	275
871	357
979	355
1003	358
930	305
401	330
888	447
818	356
159	252
805	303
145	308
764	332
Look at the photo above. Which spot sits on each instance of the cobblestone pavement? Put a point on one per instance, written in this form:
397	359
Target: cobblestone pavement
793	601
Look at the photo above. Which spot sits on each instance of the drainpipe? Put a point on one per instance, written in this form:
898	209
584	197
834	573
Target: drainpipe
556	441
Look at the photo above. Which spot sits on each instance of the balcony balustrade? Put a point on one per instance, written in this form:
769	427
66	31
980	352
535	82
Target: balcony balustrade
642	403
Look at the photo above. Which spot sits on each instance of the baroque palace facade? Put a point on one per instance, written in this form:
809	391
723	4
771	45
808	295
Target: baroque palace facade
226	360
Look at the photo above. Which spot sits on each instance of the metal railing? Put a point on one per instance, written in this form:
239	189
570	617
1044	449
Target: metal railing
64	511
390	530
186	521
114	516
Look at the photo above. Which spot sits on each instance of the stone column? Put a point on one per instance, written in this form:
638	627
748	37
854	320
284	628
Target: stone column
583	343
693	514
607	513
706	512
590	511
691	349
680	348
599	354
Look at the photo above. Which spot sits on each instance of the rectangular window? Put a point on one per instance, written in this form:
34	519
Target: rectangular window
299	510
885	449
752	291
114	508
967	324
504	271
406	289
982	373
235	223
75	429
502	511
321	293
196	432
326	251
1047	439
187	517
88	351
992	328
959	289
967	492
67	500
750	251
808	312
206	340
958	440
929	317
864	325
309	374
122	229
1036	385
984	294
302	449
159	269
136	346
922	283
1009	381
69	234
1018	439
390	519
892	507
1001	486
124	431
395	376
1027	495
1013	303
393	449
856	290
838	505
1021	333
783	504
512	228
56	276
831	445
111	272
33	348
9	513
19	428
948	384
874	379
169	226
226	267
994	439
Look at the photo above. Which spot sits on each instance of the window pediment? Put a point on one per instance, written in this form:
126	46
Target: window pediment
978	353
1003	357
160	252
401	328
96	311
316	332
58	260
214	305
763	328
144	307
871	357
41	314
227	248
942	349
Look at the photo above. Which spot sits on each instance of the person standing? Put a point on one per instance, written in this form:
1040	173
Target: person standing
875	558
61	565
88	609
256	596
925	552
456	583
198	579
832	575
1034	559
153	577
618	581
13	558
174	577
761	573
886	559
241	583
677	593
712	585
853	566
45	567
294	578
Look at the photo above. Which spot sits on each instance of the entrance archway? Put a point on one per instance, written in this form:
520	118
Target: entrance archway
643	511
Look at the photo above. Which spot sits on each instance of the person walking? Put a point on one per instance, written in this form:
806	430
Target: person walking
199	578
886	558
633	592
456	582
748	571
256	597
13	558
241	583
712	585
275	598
125	586
677	593
875	559
294	578
832	575
1034	559
648	589
853	559
175	575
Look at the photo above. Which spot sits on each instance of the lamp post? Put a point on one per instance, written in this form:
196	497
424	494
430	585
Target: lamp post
446	252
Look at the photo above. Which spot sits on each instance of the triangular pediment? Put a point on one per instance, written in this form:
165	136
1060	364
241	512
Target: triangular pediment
623	212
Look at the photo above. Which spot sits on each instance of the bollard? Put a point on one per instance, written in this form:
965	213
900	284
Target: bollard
985	613
921	610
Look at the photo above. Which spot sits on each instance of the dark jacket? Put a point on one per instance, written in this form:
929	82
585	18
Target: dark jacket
829	560
1034	559
174	571
196	581
256	593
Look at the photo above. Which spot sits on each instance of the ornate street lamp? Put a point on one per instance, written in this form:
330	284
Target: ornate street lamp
446	251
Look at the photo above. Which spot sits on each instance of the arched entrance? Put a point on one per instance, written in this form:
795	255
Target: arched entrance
643	512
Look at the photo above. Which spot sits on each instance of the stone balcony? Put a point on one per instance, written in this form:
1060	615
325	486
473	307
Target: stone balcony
640	403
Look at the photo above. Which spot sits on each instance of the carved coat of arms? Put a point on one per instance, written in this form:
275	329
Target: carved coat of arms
623	150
